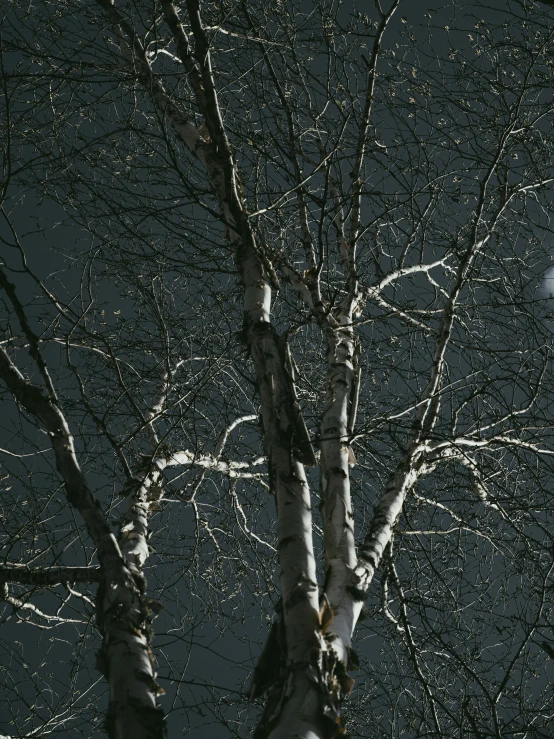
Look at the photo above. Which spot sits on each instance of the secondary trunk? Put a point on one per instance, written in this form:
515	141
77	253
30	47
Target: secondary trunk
336	507
122	609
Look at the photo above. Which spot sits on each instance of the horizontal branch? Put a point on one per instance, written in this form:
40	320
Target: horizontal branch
45	576
210	462
23	606
405	272
450	449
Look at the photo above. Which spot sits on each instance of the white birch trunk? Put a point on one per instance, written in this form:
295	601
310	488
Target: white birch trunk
283	426
336	505
122	610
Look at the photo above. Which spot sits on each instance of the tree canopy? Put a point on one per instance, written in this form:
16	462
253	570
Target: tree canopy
276	353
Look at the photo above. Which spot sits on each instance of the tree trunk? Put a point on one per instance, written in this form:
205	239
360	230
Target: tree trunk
122	609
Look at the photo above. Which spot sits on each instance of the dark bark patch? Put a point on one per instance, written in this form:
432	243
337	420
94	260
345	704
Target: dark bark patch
298	595
102	662
145	677
353	660
268	668
368	555
151	719
357	594
288	540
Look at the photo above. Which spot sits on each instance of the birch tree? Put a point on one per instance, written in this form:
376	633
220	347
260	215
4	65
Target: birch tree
289	327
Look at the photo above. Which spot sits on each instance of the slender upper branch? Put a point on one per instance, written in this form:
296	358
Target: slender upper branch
364	125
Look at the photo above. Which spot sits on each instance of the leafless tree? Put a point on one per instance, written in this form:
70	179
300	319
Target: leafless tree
271	287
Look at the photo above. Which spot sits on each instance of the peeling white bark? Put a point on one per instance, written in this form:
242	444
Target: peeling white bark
133	530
